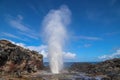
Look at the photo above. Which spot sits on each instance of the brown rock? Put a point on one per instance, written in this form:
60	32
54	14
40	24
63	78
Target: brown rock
16	59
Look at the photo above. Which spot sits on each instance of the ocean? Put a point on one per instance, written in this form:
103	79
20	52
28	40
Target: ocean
68	64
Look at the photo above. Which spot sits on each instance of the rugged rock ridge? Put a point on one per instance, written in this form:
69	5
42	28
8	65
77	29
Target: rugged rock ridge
109	68
18	60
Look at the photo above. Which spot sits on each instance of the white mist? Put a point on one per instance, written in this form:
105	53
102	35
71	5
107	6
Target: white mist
55	31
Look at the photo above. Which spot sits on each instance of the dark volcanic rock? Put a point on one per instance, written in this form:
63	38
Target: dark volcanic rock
80	67
110	68
18	60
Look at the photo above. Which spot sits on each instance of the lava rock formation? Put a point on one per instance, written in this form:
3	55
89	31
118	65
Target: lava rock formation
17	60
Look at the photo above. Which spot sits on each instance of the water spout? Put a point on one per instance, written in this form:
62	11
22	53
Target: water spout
55	30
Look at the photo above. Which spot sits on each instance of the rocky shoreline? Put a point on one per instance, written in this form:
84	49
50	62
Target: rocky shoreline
108	68
17	63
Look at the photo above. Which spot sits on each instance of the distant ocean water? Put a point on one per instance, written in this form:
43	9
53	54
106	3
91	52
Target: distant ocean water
68	64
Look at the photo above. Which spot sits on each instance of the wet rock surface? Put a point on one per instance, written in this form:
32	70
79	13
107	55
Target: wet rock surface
16	60
72	76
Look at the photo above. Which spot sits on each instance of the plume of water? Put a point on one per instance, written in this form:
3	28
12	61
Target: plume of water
55	31
54	25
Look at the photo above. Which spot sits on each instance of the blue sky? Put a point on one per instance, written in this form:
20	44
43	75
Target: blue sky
94	31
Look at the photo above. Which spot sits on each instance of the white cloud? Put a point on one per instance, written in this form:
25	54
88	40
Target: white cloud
20	44
89	38
44	53
18	25
69	55
114	55
37	48
22	28
82	37
31	35
12	36
43	49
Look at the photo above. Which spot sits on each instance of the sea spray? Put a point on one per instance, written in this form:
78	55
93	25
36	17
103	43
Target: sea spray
54	25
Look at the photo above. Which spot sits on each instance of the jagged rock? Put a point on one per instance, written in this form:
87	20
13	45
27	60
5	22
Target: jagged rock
80	67
107	67
110	68
18	60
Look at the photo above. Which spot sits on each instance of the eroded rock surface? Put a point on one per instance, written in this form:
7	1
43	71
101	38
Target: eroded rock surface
18	60
109	68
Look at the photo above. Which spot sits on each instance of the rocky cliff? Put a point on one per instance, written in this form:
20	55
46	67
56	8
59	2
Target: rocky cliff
18	60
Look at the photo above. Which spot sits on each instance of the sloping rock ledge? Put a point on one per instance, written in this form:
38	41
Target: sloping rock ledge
17	61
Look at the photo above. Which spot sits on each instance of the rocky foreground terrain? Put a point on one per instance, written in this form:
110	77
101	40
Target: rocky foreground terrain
108	68
18	61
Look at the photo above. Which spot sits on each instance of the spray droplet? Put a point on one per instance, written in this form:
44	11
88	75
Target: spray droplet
55	30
